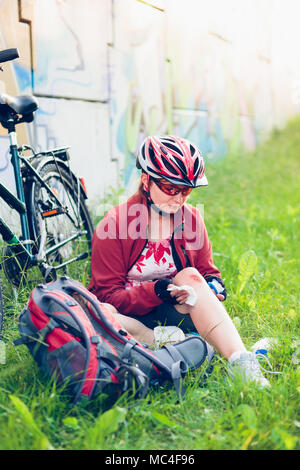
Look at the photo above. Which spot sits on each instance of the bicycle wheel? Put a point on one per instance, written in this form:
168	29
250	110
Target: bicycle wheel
49	231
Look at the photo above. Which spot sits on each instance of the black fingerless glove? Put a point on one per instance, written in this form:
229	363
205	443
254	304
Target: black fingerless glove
161	291
216	288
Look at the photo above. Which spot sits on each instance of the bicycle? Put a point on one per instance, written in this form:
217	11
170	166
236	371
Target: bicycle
50	200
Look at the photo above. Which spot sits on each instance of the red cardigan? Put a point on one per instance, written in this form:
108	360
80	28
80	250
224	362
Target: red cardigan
118	242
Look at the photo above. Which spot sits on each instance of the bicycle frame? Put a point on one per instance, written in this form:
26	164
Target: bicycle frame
16	203
19	184
13	111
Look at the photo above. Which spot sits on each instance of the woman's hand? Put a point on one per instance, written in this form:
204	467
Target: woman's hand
217	286
180	295
220	296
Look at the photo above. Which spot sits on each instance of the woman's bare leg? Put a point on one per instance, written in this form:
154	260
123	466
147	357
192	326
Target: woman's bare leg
209	315
135	328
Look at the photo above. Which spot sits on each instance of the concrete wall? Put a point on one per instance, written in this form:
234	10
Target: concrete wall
109	72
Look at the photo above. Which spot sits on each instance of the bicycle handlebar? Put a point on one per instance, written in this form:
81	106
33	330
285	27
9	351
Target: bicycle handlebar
9	54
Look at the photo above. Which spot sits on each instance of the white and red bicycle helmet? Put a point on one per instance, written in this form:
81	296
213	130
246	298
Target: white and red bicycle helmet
173	158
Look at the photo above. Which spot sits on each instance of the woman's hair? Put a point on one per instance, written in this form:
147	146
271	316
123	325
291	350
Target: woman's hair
140	190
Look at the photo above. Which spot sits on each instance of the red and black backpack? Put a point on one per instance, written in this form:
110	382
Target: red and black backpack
77	340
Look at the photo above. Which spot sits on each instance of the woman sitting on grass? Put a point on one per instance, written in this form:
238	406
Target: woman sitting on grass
152	258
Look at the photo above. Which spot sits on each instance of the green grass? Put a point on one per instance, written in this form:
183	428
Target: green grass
252	216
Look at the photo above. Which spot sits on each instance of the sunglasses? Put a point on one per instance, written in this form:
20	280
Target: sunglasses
171	189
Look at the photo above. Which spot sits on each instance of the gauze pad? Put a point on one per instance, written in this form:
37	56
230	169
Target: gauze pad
191	300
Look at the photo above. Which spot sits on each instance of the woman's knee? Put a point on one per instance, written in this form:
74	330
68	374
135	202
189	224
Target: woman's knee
187	276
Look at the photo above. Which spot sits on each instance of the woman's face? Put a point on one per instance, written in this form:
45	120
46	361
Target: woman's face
165	202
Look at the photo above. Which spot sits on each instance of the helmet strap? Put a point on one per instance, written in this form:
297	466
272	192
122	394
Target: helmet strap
154	206
157	209
150	200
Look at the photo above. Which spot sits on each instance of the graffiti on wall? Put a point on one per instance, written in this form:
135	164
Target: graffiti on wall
190	83
108	73
63	62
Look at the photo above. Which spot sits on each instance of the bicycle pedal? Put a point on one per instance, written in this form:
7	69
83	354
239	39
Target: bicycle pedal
54	212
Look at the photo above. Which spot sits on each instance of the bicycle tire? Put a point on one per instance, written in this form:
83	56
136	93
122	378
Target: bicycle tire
59	227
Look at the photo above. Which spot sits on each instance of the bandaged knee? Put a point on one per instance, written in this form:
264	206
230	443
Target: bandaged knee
191	300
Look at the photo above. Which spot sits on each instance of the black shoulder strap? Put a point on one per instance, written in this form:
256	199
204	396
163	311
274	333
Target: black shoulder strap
178	369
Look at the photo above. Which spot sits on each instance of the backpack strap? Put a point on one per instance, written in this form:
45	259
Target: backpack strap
178	369
126	355
132	377
39	336
94	301
174	353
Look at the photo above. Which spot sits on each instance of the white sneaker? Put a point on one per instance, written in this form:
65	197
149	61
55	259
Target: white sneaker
248	367
264	344
167	335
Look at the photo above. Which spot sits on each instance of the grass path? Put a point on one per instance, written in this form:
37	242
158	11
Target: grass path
251	211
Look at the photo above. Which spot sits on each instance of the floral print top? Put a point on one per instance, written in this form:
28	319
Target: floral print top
155	262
